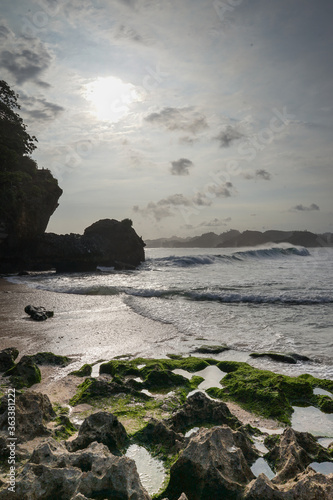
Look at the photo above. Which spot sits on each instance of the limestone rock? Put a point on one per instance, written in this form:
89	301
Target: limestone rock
211	466
54	473
157	433
102	427
7	358
309	485
200	410
294	452
32	410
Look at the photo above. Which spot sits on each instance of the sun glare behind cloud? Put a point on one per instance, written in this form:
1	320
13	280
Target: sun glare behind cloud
110	97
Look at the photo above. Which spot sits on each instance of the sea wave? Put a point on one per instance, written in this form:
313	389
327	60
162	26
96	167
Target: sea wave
206	259
225	296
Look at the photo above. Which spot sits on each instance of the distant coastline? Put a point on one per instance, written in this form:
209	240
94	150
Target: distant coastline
235	239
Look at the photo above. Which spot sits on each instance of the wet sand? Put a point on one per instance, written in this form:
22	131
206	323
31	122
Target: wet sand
86	327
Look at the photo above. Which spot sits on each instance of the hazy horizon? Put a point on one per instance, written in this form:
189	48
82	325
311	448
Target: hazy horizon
185	117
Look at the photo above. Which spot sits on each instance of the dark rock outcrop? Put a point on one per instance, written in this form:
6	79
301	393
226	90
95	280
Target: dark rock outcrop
32	411
200	410
108	243
25	374
102	427
52	472
38	313
211	466
157	433
7	358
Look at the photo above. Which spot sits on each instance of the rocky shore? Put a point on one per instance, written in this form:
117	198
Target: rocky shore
73	429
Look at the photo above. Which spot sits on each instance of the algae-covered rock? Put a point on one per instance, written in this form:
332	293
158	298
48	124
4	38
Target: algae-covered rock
84	371
25	374
212	349
261	391
92	389
156	377
102	427
65	428
275	356
48	358
32	411
7	358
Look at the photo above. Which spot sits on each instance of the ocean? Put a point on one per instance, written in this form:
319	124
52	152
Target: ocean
271	298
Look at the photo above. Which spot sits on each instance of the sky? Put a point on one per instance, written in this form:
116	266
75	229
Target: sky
186	116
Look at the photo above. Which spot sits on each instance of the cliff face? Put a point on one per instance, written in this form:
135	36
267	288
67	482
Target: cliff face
28	198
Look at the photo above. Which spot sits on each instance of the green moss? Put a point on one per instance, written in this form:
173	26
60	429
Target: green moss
84	371
81	394
48	358
318	382
120	368
65	428
25	374
212	349
265	393
276	356
325	403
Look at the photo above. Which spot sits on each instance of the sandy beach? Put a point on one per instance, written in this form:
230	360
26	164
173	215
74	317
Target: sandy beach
86	327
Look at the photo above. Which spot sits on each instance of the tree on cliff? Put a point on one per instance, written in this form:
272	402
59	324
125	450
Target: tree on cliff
14	139
28	195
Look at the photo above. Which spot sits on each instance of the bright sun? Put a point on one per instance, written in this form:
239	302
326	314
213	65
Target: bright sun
110	97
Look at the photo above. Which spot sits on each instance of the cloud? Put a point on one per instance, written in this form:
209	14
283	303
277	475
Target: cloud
302	208
215	222
227	136
123	32
179	119
263	174
38	108
181	166
26	59
170	206
259	174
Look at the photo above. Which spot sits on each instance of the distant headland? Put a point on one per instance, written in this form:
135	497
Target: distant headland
235	239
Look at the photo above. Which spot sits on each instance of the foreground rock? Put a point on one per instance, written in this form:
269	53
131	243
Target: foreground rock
308	485
7	358
211	466
294	452
200	410
102	427
25	374
54	473
33	410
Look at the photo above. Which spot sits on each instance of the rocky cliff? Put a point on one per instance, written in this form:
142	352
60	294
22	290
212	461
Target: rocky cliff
28	198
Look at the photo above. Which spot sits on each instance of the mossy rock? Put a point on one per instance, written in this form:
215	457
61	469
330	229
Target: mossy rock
25	374
92	389
156	377
84	371
263	392
65	428
212	349
48	358
275	356
120	368
325	403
